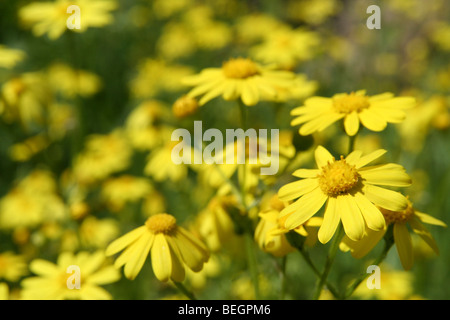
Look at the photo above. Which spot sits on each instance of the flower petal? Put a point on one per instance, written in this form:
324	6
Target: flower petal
296	189
420	229
140	253
323	156
124	241
351	217
369	158
389	174
351	123
161	258
403	242
330	222
371	120
385	198
373	217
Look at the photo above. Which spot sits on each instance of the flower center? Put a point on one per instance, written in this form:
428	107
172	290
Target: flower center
350	102
398	216
161	223
338	177
239	68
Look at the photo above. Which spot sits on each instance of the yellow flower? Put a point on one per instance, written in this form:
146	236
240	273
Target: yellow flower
118	191
349	190
171	248
12	266
97	233
270	231
399	219
4	291
286	47
51	17
239	78
53	281
103	155
10	57
184	106
372	112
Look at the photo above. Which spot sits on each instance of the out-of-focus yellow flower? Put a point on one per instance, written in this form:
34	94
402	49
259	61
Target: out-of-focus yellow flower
61	119
184	106
33	201
211	268
9	58
350	189
372	112
52	280
103	155
98	233
242	288
239	78
146	85
145	127
416	9
413	130
161	166
395	285
313	12
153	203
24	151
255	27
24	98
286	47
117	191
164	9
172	248
12	266
70	82
402	238
52	17
270	231
214	223
4	291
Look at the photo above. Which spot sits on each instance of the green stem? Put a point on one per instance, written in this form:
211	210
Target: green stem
330	258
252	263
351	143
185	291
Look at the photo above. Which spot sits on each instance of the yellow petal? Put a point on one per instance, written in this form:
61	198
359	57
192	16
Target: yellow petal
369	158
178	272
387	175
43	267
373	217
296	189
141	249
161	258
371	120
322	156
304	208
331	220
351	217
306	173
124	241
403	243
385	198
420	229
426	218
351	123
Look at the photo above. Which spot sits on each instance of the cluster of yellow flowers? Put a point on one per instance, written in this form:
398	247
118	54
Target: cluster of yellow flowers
87	171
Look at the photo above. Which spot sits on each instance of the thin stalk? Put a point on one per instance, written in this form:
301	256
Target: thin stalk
185	291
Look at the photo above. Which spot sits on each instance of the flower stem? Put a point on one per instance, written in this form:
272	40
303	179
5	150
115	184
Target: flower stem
185	291
330	258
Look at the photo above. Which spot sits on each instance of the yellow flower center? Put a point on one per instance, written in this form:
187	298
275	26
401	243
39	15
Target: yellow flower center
398	216
161	223
184	107
338	177
350	102
239	68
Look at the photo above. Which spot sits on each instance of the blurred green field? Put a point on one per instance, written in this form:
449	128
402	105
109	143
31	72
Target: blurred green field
139	57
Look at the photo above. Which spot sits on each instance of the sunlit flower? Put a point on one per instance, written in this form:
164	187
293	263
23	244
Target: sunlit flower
239	78
372	112
172	248
55	281
10	57
270	233
400	220
350	191
102	155
12	266
118	191
97	233
184	106
51	17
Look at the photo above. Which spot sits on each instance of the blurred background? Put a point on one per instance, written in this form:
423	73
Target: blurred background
86	117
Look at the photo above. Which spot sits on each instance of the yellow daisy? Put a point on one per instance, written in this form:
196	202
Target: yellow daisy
239	78
349	190
399	220
59	281
270	233
171	248
372	112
